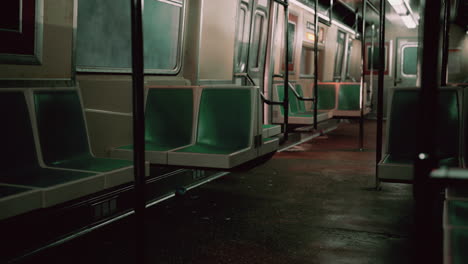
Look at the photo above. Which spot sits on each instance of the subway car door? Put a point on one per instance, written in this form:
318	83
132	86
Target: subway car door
252	26
406	62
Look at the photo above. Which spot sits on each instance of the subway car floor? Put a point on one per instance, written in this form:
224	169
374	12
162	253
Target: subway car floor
314	203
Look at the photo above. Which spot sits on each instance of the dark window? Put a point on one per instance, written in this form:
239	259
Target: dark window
410	60
340	49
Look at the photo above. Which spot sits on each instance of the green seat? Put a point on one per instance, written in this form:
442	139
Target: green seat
296	107
403	127
168	119
458	241
457	212
63	135
349	97
21	166
326	97
6	190
224	122
269	126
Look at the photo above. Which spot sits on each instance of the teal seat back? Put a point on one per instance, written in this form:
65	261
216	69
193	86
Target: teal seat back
349	96
169	117
300	104
16	133
326	96
293	102
404	117
61	125
225	118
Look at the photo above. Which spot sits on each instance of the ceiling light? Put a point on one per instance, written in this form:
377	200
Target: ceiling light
409	21
399	6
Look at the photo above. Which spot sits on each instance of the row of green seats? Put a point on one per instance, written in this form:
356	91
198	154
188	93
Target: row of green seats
49	160
219	135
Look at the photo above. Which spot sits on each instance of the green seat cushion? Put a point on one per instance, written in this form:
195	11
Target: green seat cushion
326	96
16	133
90	163
306	114
403	126
208	149
6	191
168	118
349	96
293	102
458	242
41	177
269	126
397	159
63	135
457	213
300	103
225	120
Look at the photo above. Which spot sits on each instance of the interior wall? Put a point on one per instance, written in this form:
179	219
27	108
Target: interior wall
218	28
329	53
56	49
458	54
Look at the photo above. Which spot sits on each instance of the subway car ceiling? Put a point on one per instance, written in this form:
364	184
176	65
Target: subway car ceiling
345	11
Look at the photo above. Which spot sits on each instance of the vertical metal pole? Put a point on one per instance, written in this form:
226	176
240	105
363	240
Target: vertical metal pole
380	89
138	128
363	50
316	26
427	225
445	43
286	69
371	76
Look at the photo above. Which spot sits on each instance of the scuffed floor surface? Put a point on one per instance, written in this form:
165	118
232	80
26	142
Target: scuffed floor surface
312	204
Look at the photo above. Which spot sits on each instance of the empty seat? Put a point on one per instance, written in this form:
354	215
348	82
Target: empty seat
64	140
15	200
326	96
224	136
168	124
42	187
455	241
397	163
297	112
348	102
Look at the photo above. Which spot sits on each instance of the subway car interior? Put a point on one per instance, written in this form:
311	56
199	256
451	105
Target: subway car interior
234	131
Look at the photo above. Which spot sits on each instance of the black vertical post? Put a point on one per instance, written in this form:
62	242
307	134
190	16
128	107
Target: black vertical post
316	27
138	128
286	69
427	225
445	43
371	74
380	89
363	90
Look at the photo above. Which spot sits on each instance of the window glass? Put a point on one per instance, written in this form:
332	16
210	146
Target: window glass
291	41
104	35
257	40
348	59
410	60
307	62
240	39
374	57
340	48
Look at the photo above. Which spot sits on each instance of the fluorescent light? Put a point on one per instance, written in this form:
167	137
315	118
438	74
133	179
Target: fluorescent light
409	21
399	6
